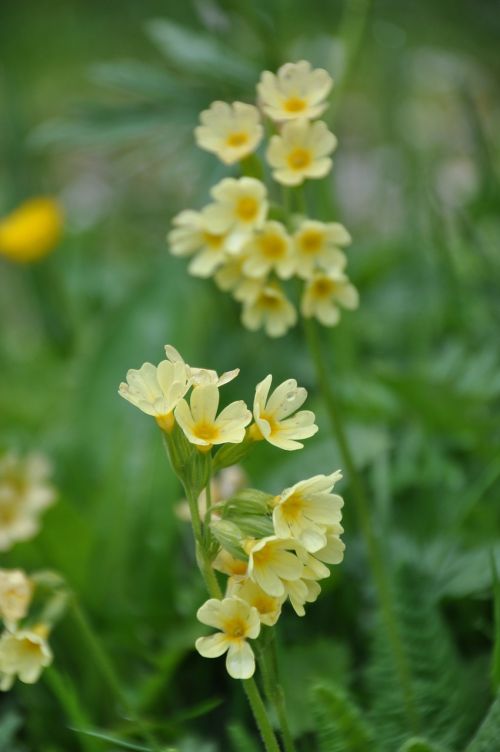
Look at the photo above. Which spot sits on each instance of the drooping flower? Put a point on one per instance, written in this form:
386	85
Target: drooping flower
273	415
237	622
240	207
269	249
333	551
268	606
305	511
270	561
324	292
271	309
297	90
201	376
300	592
32	230
16	592
157	390
24	653
190	236
301	151
317	246
231	131
25	492
201	424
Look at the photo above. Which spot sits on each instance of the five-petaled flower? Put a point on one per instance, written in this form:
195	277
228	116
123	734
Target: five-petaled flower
157	390
301	151
296	90
273	415
231	131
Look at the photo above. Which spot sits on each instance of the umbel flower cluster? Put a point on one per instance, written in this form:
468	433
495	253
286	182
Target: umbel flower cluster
256	235
270	547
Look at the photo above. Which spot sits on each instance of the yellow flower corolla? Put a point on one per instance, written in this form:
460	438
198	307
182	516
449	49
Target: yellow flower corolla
201	376
301	151
16	592
156	390
32	230
304	511
237	622
300	592
240	207
269	249
235	568
25	492
273	415
231	131
270	561
317	246
268	307
268	606
322	294
201	424
190	236
24	653
295	91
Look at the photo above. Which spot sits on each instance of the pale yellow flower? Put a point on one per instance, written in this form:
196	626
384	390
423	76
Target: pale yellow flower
237	622
200	422
270	561
32	230
240	207
324	292
297	90
269	249
268	606
273	415
25	492
304	511
235	568
317	245
190	236
269	308
300	592
333	551
201	376
231	131
301	151
157	390
24	653
16	592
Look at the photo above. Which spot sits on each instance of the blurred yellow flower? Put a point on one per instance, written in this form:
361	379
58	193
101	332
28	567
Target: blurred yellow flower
270	561
317	246
236	621
156	390
297	90
231	131
23	653
16	591
269	249
240	207
191	237
323	292
201	424
268	606
301	151
273	415
269	307
32	230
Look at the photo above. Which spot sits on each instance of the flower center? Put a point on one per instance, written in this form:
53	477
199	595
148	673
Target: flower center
269	301
323	288
263	605
238	138
294	104
311	241
246	208
272	246
8	513
206	431
273	423
263	556
299	158
292	507
235	628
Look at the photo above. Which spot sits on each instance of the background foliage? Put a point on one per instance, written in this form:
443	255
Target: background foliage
98	104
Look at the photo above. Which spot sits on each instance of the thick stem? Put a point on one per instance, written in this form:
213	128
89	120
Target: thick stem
260	715
380	575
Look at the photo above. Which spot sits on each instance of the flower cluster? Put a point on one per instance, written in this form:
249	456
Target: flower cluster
271	548
25	492
244	238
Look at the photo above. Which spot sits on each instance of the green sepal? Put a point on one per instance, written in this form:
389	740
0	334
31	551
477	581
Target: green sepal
231	454
229	535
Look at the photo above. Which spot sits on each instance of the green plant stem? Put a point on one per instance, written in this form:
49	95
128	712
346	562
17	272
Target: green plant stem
268	664
69	701
260	715
380	576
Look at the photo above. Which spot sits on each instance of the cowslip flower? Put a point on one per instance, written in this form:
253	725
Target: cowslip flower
324	292
190	236
235	568
237	622
297	90
240	207
317	245
268	606
270	561
32	230
269	307
231	131
200	376
25	492
304	511
269	249
301	151
300	592
201	424
16	592
273	415
157	390
333	551
24	653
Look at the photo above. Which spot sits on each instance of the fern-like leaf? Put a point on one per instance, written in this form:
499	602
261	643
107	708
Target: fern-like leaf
417	744
339	722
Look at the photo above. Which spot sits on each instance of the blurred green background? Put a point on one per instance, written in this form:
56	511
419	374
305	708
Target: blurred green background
98	102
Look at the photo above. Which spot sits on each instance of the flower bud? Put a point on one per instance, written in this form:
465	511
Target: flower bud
247	501
229	536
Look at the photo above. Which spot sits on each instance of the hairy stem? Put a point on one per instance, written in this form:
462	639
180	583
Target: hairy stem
268	664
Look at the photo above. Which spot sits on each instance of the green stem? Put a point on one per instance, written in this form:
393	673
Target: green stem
260	715
70	703
380	575
268	664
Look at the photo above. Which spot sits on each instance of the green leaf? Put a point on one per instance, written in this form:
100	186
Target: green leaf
495	668
418	744
340	724
488	734
135	77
